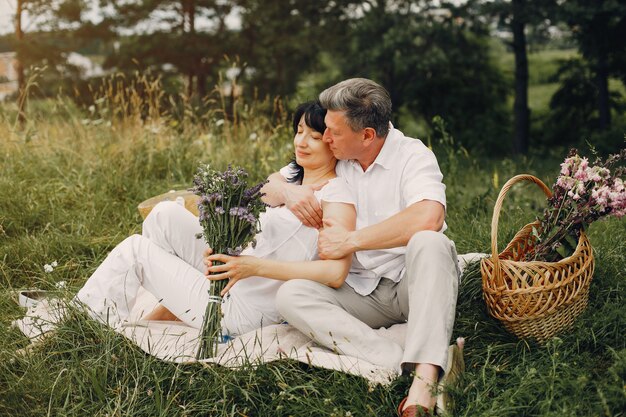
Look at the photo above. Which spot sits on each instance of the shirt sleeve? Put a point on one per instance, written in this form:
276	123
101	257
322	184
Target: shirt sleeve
422	179
337	191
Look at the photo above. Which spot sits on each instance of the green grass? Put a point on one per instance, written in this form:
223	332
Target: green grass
69	188
542	67
539	96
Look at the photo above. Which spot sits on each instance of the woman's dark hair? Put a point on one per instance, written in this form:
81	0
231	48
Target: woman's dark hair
314	115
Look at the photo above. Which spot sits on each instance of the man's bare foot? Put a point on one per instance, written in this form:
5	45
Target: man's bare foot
160	313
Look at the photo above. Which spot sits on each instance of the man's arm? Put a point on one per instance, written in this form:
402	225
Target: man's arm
299	199
336	242
273	190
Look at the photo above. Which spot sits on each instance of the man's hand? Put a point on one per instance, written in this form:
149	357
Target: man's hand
334	241
234	268
300	200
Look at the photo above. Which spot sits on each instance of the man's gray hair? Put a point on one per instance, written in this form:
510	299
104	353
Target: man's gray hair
365	103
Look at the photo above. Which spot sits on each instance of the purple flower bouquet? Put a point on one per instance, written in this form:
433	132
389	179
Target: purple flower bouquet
228	212
582	194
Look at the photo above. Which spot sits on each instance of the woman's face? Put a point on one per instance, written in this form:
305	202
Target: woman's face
311	151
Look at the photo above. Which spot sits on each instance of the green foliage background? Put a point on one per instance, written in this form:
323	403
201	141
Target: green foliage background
451	59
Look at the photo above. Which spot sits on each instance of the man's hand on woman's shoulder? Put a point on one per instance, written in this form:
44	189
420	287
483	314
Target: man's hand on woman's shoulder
300	200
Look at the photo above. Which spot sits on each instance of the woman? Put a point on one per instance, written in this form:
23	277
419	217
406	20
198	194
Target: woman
167	259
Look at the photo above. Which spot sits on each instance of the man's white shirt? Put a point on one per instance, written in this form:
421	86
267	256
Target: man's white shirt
405	172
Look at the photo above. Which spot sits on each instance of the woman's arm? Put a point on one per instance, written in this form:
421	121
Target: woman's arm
331	272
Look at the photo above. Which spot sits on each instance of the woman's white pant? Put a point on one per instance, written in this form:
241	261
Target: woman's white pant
166	260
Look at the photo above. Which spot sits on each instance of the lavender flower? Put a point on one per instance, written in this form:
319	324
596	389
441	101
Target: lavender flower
228	213
238	211
234	252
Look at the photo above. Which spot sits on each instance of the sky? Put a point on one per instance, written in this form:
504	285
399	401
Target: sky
7	13
7	9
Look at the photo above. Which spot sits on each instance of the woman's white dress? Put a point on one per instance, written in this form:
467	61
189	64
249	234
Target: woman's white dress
167	260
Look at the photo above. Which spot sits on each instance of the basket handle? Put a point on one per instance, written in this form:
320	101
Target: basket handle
498	207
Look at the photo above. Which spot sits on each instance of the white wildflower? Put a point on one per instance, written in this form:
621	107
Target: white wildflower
48	268
54	264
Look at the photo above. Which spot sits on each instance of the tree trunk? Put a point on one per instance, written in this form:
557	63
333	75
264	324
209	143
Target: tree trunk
520	107
602	83
192	17
188	13
201	83
19	65
189	84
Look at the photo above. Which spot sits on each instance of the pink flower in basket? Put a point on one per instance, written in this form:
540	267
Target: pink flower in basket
582	194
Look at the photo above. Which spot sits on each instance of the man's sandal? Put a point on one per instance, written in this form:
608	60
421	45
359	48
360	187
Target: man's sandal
454	368
413	410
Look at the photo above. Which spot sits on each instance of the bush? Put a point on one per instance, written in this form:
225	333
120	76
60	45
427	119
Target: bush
574	116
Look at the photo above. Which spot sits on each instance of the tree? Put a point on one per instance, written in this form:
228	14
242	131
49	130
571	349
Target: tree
164	33
519	14
19	66
574	115
432	62
600	29
56	33
280	41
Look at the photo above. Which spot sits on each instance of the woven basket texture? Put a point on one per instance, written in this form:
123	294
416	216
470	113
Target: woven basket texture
535	300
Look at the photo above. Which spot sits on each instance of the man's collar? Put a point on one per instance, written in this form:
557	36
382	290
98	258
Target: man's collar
385	156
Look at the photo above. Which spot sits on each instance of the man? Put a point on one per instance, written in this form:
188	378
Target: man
404	268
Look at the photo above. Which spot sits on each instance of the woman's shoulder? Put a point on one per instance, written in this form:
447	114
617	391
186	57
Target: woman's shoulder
337	191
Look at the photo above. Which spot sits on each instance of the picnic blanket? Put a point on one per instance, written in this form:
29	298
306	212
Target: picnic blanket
174	341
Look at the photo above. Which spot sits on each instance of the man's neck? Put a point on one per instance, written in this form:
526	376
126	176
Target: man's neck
371	153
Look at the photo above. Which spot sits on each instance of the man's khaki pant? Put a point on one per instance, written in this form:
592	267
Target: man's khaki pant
425	298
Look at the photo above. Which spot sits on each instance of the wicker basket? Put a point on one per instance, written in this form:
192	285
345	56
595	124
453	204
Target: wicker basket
534	299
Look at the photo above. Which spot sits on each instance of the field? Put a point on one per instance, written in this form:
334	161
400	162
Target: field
542	67
70	182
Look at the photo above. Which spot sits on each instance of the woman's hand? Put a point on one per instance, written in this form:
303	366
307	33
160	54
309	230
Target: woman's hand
234	268
205	259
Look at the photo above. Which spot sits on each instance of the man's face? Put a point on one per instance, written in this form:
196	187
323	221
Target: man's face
342	140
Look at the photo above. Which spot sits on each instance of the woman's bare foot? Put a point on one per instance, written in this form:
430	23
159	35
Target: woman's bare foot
160	313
